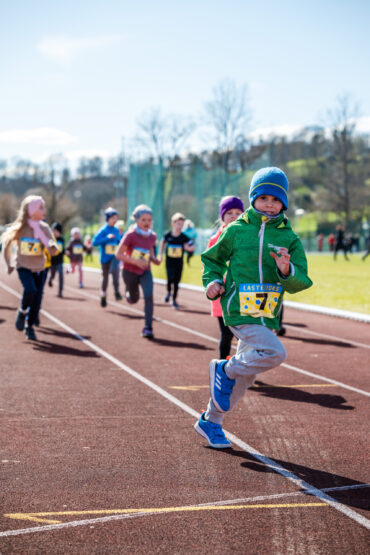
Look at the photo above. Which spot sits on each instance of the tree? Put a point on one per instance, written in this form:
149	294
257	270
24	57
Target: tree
163	136
229	115
342	180
8	208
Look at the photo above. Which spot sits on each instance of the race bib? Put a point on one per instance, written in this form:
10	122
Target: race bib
110	249
259	299
60	245
77	249
140	254
31	247
174	251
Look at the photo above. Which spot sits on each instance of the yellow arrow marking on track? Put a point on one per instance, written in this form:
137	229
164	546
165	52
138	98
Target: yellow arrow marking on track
197	387
38	517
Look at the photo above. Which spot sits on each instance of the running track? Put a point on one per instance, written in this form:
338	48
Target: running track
99	455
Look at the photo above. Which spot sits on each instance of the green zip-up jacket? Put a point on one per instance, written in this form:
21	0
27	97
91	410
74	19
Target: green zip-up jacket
254	287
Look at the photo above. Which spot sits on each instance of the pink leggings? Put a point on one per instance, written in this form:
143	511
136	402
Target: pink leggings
79	266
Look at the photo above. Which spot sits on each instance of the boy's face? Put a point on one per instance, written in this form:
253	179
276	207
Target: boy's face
178	225
268	204
112	220
56	233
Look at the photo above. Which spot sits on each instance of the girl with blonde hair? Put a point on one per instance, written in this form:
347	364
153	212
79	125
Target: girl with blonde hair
24	243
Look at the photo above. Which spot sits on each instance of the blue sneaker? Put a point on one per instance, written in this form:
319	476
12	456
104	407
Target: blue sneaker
221	386
213	433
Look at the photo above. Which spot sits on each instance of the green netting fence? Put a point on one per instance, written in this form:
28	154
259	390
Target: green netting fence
190	189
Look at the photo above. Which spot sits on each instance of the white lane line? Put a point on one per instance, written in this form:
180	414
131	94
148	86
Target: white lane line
312	375
326	336
290	304
214	340
137	513
273	465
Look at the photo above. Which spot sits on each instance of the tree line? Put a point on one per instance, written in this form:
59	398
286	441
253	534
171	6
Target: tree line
328	164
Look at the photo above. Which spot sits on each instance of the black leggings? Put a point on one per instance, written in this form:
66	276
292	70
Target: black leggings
174	272
33	286
224	346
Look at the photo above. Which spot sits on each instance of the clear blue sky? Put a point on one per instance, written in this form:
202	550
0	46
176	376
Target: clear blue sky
87	69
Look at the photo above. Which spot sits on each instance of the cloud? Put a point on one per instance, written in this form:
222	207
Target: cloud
285	130
363	125
40	136
63	49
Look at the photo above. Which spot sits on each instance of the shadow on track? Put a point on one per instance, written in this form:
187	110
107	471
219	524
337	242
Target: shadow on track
72	299
356	497
65	334
7	308
299	396
124	315
56	349
182	344
321	341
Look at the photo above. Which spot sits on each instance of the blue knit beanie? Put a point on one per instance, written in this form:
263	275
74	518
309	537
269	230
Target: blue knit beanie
270	181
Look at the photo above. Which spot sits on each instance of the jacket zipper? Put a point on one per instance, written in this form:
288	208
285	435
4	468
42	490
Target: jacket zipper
261	236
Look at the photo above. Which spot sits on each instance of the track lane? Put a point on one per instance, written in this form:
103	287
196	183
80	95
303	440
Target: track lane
162	371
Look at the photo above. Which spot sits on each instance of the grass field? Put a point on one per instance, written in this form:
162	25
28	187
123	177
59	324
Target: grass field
340	284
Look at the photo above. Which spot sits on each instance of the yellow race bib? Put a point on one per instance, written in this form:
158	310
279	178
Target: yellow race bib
110	248
140	254
77	249
30	246
259	299
174	251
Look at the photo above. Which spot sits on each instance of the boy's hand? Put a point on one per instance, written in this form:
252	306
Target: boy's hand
282	259
214	289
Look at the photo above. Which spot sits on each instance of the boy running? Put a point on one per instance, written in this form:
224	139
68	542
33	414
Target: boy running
262	257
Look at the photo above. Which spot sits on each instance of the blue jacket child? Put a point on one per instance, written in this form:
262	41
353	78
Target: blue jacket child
108	238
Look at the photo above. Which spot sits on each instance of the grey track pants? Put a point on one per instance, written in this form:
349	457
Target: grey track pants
132	282
105	270
258	350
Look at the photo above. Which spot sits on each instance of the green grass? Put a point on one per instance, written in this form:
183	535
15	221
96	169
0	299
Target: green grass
339	284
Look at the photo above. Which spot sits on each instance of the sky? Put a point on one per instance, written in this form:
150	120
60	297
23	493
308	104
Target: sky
76	74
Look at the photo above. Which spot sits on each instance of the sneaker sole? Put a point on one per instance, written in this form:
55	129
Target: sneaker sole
212	373
199	430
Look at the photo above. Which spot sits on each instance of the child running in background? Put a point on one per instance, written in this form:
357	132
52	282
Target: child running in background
31	235
89	248
230	209
136	249
115	265
190	231
57	261
107	238
74	251
262	258
175	243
